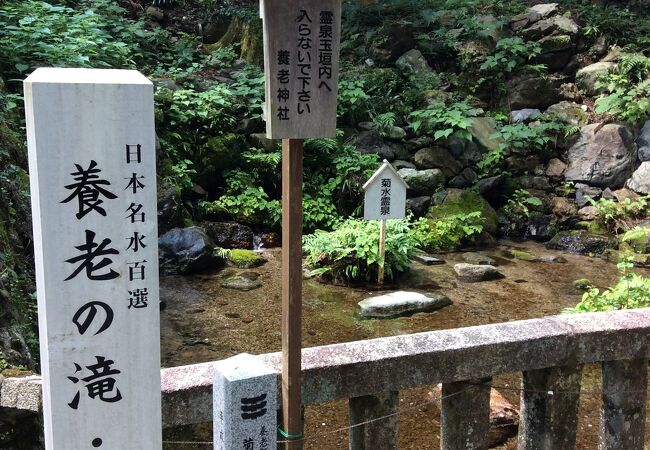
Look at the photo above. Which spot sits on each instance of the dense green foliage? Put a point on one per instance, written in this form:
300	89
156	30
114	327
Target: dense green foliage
631	291
620	216
351	251
448	233
628	87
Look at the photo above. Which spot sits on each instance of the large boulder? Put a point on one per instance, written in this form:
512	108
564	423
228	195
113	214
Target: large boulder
229	234
463	202
643	142
482	131
581	242
369	142
604	156
422	182
531	91
437	157
587	77
413	62
465	151
187	250
640	181
553	25
401	303
170	209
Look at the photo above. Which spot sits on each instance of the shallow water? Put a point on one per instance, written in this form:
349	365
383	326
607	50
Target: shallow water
203	321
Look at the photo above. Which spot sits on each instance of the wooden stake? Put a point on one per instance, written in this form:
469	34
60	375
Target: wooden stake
382	250
291	291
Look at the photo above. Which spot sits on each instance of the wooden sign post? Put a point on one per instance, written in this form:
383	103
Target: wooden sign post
301	65
92	167
385	198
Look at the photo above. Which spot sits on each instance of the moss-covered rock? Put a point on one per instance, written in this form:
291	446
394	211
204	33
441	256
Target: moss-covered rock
463	202
582	284
245	259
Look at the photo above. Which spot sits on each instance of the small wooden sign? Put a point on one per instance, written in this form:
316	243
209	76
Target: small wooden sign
385	196
92	165
301	66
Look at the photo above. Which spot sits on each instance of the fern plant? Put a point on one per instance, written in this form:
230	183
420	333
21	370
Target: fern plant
628	87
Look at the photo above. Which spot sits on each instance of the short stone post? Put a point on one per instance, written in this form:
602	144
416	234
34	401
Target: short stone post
245	404
377	435
549	408
465	415
622	421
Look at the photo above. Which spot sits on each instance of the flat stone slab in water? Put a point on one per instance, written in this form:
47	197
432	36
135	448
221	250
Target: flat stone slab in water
244	281
428	260
400	303
475	272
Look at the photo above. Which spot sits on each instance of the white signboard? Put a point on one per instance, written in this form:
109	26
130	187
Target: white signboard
301	66
385	196
93	187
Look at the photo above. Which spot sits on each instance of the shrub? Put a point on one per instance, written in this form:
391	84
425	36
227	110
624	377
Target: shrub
631	291
351	252
621	215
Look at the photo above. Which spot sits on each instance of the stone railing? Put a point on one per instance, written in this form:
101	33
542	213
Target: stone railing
549	351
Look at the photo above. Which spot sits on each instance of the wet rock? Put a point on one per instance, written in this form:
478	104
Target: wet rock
229	234
640	181
170	209
524	115
242	281
187	250
428	260
643	142
539	228
413	62
401	303
584	192
464	179
270	239
475	273
423	182
522	164
415	144
418	205
603	156
437	157
581	242
587	77
478	259
555	168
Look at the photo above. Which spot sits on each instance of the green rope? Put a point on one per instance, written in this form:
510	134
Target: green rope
289	436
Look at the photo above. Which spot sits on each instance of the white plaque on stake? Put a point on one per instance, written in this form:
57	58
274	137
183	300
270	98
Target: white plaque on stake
385	194
245	404
93	186
301	66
